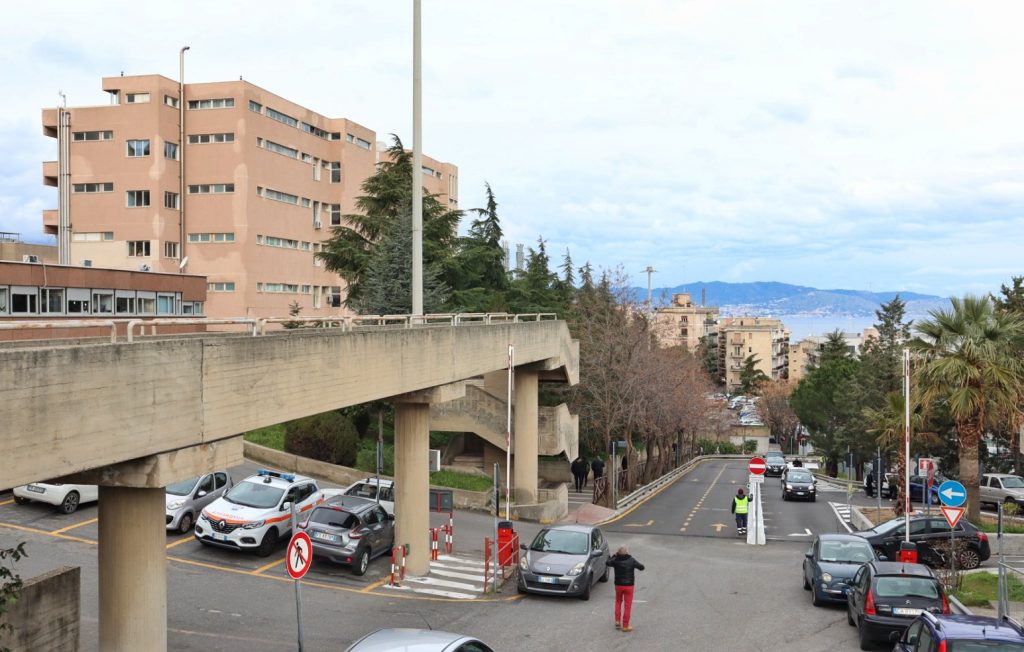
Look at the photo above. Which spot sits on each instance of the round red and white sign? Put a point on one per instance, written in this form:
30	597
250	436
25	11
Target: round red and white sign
299	556
756	466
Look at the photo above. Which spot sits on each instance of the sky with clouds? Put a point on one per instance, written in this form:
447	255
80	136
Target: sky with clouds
836	144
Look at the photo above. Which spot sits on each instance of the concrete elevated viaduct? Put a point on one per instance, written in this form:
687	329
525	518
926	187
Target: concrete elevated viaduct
135	417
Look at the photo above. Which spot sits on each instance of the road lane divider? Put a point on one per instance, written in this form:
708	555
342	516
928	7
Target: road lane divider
700	501
75	525
35	530
7	502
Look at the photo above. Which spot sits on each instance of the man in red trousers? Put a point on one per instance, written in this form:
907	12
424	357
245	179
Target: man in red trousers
624	566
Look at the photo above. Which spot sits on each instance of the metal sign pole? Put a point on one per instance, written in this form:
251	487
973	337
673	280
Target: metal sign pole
906	442
879	478
380	449
298	593
508	436
497	508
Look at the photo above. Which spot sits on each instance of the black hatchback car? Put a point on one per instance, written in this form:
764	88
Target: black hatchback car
886	596
799	483
886	538
774	463
350	530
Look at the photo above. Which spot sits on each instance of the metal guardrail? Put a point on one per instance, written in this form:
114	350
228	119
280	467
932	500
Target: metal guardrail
65	323
132	323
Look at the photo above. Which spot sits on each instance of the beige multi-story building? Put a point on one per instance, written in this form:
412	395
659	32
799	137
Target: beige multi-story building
684	323
230	181
805	354
742	337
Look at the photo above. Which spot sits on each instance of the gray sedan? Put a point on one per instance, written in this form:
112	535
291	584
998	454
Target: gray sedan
564	560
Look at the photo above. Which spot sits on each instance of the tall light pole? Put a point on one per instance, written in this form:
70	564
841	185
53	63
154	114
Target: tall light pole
650	306
417	164
181	157
906	441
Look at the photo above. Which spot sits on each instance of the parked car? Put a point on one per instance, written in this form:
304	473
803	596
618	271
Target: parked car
256	513
997	488
886	538
564	560
65	497
369	488
831	563
775	463
185	499
888	485
350	530
885	596
917	488
961	632
418	640
799	483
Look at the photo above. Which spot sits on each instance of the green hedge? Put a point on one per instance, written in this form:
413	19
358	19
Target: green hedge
328	437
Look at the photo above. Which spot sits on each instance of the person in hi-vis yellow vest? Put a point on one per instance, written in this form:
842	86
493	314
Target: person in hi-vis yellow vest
740	507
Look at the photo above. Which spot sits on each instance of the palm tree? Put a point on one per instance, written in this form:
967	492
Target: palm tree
969	364
889	429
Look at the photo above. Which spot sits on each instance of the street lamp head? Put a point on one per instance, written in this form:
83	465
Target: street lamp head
184	48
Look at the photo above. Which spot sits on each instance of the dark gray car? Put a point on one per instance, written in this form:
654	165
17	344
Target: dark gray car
799	483
564	560
350	530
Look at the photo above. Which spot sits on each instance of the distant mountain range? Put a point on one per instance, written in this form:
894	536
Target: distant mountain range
779	299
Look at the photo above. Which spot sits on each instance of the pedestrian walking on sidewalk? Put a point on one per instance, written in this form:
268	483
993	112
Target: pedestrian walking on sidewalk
597	466
579	473
624	566
740	507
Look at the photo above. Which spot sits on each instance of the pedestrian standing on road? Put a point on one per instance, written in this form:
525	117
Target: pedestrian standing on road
579	472
624	566
598	468
740	507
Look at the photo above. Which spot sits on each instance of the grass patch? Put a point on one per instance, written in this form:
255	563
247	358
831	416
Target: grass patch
978	589
457	480
271	437
988	524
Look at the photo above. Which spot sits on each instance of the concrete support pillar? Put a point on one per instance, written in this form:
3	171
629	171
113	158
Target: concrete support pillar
525	444
412	489
132	569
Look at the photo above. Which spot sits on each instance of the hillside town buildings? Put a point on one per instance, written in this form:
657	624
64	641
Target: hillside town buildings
741	337
684	323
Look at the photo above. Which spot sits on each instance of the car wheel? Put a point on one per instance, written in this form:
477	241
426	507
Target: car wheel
970	559
784	499
21	501
362	563
807	585
815	600
186	523
586	589
865	641
814	499
604	575
268	544
70	503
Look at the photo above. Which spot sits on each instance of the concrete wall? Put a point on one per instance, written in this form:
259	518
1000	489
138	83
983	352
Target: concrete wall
71	409
47	613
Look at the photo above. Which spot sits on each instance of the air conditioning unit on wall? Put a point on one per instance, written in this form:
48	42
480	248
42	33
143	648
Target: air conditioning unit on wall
317	224
30	258
86	262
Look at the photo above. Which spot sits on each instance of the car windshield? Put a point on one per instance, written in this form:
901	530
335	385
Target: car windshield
254	494
182	488
798	476
333	517
563	541
846	552
1013	482
774	458
983	646
910	587
363	490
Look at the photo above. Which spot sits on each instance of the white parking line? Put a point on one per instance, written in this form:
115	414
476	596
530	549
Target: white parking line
442	594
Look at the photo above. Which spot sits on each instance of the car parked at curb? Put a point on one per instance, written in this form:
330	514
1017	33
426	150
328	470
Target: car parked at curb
961	633
350	530
564	560
186	499
831	563
417	640
885	596
995	488
65	497
924	531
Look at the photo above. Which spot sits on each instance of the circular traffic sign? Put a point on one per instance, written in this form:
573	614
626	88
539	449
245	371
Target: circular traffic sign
952	493
756	466
299	556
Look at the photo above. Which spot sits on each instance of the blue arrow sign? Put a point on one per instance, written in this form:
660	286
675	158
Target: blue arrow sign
952	493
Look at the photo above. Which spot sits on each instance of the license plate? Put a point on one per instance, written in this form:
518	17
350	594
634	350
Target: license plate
548	580
325	537
904	611
800	493
220	537
38	490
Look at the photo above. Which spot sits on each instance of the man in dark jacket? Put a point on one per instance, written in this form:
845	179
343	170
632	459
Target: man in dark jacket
579	472
624	566
598	467
740	507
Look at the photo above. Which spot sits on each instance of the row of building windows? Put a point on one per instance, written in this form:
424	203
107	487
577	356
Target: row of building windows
333	167
141	198
356	140
203	139
34	300
285	243
211	237
216	103
86	136
284	118
210	188
220	286
140	147
305	202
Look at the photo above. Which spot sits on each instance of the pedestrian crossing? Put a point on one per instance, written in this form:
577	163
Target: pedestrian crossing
579	498
455	576
843	511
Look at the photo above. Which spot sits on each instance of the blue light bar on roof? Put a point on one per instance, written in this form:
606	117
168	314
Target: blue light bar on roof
290	477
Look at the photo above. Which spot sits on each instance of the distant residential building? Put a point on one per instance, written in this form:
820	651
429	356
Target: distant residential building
684	323
14	249
805	354
742	337
265	179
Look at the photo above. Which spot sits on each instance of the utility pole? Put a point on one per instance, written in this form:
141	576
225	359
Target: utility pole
650	270
417	164
181	158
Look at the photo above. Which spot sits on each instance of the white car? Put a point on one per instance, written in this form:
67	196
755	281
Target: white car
65	497
256	513
185	499
368	488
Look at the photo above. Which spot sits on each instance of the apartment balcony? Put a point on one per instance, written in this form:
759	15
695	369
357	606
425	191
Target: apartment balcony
50	173
50	122
50	221
737	356
736	340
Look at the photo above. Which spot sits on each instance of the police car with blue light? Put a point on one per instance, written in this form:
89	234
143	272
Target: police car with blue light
256	513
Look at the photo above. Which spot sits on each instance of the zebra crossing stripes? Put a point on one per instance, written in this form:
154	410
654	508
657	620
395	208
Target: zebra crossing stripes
450	576
843	513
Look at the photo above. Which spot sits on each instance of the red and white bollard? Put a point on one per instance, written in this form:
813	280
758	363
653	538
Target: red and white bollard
449	540
397	569
433	543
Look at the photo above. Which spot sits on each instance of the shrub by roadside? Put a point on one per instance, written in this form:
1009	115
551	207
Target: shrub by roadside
329	437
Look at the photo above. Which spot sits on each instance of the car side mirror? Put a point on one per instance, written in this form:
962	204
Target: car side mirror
596	553
286	506
522	546
391	517
809	555
882	558
200	494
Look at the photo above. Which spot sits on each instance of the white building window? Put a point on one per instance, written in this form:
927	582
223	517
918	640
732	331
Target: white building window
171	101
136	98
107	186
205	139
94	236
170	249
171	200
211	237
137	198
102	301
171	151
211	188
255	107
24	300
138	248
220	286
3	301
216	103
87	136
52	300
137	148
281	149
78	301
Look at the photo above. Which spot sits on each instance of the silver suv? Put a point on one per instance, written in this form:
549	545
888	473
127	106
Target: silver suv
997	488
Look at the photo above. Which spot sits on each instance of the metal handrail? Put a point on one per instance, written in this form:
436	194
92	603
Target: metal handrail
172	322
322	322
77	323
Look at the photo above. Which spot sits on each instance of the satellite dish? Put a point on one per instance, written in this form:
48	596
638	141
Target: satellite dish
184	261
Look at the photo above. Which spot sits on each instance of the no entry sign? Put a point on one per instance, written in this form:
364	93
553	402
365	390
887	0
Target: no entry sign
299	556
756	466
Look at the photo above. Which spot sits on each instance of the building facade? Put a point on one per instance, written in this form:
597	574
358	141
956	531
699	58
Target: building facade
683	323
243	190
742	337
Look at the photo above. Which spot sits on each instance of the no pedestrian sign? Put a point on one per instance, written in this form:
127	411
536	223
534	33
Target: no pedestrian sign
756	466
299	556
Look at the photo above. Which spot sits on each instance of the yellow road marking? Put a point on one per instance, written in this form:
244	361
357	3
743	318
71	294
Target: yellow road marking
700	501
7	502
647	524
626	513
180	541
35	530
267	566
72	527
375	585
